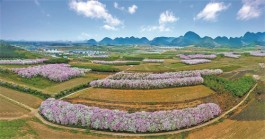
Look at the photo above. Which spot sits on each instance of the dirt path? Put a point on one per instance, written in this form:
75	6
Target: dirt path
73	93
36	114
14	118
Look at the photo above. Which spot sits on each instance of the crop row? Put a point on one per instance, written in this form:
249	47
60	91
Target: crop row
65	113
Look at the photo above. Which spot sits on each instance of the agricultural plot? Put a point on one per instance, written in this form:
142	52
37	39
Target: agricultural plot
179	94
47	86
9	109
24	98
226	64
74	82
138	100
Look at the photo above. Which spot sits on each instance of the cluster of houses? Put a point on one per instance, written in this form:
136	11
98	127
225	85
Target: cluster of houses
87	52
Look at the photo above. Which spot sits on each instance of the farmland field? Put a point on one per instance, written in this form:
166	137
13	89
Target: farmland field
146	96
9	109
47	86
27	99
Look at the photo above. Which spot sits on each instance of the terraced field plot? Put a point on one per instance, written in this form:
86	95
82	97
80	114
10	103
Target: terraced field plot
9	109
142	100
24	98
74	82
179	94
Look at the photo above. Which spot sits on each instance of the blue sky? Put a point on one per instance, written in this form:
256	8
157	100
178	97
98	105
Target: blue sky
82	19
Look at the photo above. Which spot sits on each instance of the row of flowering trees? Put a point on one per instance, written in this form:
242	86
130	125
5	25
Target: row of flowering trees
197	56
54	72
165	75
153	60
147	84
22	61
195	61
125	80
257	53
230	54
65	113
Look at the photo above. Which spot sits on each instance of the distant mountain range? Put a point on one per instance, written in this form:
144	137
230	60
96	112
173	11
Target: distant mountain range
190	38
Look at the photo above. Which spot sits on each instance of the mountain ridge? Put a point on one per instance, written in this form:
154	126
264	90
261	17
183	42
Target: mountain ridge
189	38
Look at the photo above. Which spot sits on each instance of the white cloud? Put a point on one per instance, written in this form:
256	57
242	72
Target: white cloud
211	11
37	2
251	9
165	18
132	9
116	5
95	10
161	28
108	27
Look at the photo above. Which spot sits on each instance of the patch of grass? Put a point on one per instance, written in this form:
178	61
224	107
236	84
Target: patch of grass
136	58
10	129
69	91
7	51
99	68
238	87
230	68
184	135
23	89
38	81
111	58
56	60
73	131
260	88
156	56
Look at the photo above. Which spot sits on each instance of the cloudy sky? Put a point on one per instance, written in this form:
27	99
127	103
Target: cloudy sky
82	19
